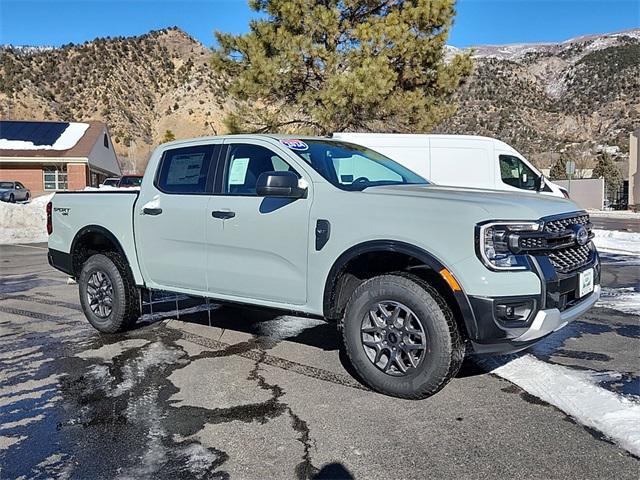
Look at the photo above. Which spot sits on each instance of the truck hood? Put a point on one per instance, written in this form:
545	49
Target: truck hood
498	205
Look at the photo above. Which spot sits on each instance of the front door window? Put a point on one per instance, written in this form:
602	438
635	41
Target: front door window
516	173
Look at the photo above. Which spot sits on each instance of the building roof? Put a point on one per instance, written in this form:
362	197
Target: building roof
49	139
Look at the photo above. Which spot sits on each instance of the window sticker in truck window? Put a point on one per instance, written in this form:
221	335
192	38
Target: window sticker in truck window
185	169
238	171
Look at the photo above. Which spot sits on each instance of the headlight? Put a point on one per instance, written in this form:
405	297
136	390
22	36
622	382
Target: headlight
492	244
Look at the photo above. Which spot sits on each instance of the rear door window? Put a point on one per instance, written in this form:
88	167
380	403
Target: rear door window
187	170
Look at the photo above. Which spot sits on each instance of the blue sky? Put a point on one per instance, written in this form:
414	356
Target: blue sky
479	22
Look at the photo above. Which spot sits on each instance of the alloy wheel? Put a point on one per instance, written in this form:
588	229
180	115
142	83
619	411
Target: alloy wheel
100	294
393	338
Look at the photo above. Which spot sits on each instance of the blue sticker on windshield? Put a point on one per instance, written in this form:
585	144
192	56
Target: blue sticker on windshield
294	144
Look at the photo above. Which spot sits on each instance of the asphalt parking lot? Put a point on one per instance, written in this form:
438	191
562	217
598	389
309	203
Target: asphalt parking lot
631	224
240	393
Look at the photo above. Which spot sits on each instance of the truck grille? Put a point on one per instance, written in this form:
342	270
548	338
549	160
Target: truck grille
554	226
568	259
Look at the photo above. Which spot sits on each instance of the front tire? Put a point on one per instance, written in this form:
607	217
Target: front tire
401	336
12	198
108	293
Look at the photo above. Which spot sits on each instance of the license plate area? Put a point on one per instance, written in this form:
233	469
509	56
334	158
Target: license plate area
585	282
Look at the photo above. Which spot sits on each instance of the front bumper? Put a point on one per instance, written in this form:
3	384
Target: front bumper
548	321
556	306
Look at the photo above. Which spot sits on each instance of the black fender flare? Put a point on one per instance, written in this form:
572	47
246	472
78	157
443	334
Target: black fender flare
431	261
102	231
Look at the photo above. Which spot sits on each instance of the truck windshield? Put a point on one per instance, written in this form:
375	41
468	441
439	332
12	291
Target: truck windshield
352	167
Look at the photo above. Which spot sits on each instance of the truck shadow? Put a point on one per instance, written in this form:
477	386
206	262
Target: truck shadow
266	324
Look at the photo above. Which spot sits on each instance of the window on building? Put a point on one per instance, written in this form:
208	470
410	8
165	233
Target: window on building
105	140
55	178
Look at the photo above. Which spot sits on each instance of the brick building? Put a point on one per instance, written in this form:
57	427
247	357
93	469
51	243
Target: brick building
51	156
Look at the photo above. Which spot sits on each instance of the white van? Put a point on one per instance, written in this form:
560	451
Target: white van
459	160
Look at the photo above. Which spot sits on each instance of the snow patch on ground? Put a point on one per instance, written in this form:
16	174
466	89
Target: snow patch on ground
616	241
67	140
576	393
24	223
626	300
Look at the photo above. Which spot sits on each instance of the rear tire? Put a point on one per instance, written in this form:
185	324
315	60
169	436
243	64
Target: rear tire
27	197
12	198
401	336
108	293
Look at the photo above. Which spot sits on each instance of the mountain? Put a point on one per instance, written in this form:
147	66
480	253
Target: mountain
547	100
140	86
574	98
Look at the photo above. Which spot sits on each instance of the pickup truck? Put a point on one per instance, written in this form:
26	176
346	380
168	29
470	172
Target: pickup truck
415	275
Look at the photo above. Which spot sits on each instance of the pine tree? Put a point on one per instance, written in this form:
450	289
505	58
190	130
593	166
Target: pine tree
168	136
606	168
558	170
319	67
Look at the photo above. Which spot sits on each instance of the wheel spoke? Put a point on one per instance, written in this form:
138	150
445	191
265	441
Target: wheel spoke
394	315
370	329
411	359
378	356
400	364
389	362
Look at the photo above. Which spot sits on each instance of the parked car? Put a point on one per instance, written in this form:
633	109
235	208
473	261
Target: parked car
111	182
460	160
11	191
412	273
130	181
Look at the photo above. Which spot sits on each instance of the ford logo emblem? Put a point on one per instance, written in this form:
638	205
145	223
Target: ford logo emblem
582	235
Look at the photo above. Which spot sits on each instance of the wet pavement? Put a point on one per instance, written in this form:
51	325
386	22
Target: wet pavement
630	224
227	392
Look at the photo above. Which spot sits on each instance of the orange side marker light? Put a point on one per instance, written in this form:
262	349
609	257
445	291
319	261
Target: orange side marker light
450	279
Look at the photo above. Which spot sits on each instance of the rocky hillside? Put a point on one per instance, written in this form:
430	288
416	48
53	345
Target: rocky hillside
580	96
140	86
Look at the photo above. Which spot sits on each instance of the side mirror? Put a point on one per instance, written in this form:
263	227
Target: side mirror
279	184
540	183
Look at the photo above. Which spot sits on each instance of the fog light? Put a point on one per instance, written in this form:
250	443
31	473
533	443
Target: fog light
514	310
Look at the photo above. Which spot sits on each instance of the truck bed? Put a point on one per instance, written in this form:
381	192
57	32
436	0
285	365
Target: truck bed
110	211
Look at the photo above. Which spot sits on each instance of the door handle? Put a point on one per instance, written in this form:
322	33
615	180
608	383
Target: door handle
223	214
151	211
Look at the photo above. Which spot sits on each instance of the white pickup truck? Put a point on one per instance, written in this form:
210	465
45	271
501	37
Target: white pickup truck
414	274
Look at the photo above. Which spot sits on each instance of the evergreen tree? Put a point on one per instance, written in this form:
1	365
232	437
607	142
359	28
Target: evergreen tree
606	168
319	67
558	170
168	136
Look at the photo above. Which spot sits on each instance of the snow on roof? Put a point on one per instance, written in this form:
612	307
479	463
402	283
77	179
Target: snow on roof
67	139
